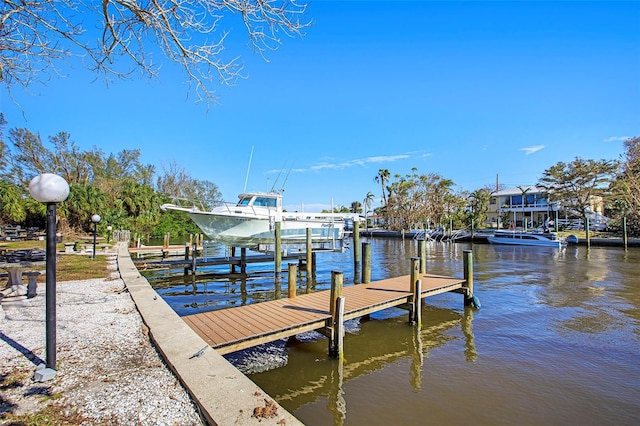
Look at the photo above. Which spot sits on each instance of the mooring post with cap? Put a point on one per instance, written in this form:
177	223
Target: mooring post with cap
422	254
366	263
336	309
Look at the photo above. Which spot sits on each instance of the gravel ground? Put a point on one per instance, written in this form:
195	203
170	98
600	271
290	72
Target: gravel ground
108	371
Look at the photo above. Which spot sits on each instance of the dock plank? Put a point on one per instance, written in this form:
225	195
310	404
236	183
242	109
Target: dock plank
240	327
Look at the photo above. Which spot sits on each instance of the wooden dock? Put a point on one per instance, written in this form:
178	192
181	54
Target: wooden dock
201	262
233	329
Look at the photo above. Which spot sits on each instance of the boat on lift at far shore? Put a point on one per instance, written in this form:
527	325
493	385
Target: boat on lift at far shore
547	239
251	222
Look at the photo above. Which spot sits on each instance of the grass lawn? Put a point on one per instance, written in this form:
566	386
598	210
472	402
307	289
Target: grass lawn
70	267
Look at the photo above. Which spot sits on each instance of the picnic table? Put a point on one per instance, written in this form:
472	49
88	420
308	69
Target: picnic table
18	263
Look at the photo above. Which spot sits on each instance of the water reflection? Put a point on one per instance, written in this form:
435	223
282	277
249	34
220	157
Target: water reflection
368	348
556	341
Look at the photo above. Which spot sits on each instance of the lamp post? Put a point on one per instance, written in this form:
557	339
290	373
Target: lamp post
95	219
109	228
50	189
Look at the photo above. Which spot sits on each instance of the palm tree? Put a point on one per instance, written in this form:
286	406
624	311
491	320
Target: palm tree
382	178
368	200
524	204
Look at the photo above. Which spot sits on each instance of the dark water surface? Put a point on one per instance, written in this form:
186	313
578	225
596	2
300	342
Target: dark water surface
557	341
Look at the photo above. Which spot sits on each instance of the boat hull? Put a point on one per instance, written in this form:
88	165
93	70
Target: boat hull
522	239
251	232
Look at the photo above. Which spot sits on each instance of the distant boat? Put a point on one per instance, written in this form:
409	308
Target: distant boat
251	222
548	239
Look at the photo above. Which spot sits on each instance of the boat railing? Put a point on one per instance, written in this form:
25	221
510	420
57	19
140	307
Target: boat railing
187	203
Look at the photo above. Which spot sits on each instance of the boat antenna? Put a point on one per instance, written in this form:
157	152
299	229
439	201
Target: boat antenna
246	179
277	178
286	177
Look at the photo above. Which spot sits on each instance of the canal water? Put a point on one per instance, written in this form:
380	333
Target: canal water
556	341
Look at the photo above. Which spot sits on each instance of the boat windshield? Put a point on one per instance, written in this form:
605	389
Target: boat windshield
259	201
265	202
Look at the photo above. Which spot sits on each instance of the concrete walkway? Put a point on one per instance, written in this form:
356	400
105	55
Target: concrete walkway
225	396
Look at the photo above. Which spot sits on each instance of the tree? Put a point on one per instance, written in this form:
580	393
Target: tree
417	199
367	202
626	187
575	185
356	207
37	34
479	200
382	178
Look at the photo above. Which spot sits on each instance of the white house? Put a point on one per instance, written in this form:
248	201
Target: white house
523	204
528	207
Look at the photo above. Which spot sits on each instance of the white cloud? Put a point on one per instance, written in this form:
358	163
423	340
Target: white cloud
617	138
327	165
531	149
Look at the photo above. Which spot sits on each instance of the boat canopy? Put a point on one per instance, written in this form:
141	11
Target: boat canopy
261	200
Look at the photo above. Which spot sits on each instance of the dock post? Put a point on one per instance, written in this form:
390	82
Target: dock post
309	254
624	231
278	252
292	275
366	263
356	252
186	258
417	305
193	259
468	276
232	254
422	254
336	326
415	277
243	260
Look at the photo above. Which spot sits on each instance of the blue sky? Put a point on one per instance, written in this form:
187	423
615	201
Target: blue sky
469	90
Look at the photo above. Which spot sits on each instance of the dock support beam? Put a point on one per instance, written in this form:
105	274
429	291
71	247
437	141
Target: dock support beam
467	261
309	254
422	254
194	249
292	275
416	312
415	288
336	328
243	261
366	263
186	258
278	252
356	252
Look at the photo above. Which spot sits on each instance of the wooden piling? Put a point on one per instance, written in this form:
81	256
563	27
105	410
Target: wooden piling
243	261
414	277
366	263
415	273
278	251
292	275
186	258
194	249
422	254
356	252
416	312
335	308
309	254
624	231
338	330
232	266
467	261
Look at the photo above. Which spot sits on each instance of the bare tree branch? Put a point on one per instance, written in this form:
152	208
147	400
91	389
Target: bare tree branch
35	35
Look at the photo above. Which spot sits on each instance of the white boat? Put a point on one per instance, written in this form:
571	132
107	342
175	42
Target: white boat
548	239
251	222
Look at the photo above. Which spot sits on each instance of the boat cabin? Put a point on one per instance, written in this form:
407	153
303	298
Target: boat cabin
260	199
